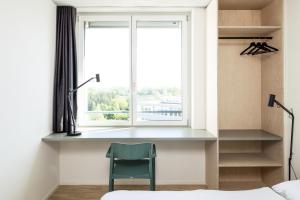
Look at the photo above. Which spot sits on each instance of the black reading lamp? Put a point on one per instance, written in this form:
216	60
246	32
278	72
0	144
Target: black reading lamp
72	131
271	103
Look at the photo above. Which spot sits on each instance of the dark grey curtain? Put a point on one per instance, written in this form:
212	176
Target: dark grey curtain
65	68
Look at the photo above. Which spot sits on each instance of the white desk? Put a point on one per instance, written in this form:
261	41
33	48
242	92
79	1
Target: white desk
136	134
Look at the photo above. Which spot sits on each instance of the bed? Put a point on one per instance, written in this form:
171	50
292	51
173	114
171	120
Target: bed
284	191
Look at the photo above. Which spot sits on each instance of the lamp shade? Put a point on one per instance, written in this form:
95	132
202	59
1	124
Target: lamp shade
271	100
97	78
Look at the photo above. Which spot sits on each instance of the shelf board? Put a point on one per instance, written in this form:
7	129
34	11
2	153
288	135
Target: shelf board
254	31
242	135
241	185
246	160
243	4
134	134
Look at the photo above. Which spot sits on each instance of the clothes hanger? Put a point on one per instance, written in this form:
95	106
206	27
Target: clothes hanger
252	44
260	49
254	49
266	49
270	47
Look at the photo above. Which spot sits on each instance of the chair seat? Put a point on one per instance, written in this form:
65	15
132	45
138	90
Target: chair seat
124	169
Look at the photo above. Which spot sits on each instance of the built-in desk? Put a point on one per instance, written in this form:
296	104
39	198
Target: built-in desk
136	134
188	152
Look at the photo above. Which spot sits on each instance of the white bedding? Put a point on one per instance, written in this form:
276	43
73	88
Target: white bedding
256	194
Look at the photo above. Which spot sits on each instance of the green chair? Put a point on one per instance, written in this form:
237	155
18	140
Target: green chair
131	161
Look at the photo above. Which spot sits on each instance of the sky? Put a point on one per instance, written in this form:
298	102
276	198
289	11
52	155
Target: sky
107	52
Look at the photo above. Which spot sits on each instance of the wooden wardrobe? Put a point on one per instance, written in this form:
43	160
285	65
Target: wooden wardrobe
250	134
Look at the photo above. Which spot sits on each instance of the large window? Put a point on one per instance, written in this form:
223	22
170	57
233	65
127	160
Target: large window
142	62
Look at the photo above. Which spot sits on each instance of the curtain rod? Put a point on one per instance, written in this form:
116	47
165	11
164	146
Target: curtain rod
241	38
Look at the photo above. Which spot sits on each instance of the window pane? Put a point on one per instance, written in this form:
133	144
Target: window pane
107	52
159	95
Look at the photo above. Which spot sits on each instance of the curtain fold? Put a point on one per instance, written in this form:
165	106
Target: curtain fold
65	76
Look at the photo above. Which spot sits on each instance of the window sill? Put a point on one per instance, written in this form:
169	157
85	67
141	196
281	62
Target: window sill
135	134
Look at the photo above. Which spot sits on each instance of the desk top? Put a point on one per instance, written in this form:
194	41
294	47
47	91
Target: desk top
135	134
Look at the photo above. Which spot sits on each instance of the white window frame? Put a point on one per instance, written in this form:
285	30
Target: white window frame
184	66
132	19
82	93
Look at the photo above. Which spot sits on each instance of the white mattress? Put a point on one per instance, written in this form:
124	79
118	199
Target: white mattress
257	194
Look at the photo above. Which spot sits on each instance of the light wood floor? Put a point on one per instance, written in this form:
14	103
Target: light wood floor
88	192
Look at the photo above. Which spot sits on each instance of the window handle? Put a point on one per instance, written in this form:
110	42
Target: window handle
134	86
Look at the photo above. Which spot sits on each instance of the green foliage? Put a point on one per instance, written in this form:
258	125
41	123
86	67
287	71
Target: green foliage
115	100
114	104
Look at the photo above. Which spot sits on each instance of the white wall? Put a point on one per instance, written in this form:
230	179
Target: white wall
176	163
27	39
198	69
292	75
212	67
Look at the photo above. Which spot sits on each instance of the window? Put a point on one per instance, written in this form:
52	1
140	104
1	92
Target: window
142	62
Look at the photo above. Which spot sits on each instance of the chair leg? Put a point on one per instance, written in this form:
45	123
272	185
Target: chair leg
111	184
153	175
152	184
154	181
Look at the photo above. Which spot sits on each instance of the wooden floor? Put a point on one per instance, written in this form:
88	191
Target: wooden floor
88	192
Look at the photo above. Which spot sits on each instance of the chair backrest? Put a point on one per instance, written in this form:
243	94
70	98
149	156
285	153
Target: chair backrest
131	151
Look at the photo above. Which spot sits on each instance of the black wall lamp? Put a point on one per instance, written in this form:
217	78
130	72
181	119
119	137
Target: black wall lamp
272	101
72	129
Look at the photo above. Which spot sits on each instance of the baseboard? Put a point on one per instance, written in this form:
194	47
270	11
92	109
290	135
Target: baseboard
133	187
135	182
51	191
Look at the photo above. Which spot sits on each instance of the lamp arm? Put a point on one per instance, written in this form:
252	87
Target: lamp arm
74	90
72	124
284	108
292	135
72	114
69	101
291	147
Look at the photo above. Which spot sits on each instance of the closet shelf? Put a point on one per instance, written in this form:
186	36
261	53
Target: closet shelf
243	4
241	185
247	30
248	135
246	160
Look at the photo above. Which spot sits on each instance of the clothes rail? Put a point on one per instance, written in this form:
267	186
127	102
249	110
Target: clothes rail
248	38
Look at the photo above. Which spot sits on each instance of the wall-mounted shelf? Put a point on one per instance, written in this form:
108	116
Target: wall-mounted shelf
243	4
241	185
250	135
246	160
247	30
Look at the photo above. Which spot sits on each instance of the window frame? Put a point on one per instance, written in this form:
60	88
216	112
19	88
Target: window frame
184	88
82	93
132	19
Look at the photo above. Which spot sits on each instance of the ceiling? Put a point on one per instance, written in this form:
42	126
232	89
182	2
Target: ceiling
243	4
134	3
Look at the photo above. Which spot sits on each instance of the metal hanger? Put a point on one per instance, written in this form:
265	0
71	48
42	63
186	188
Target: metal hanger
252	44
255	48
264	48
